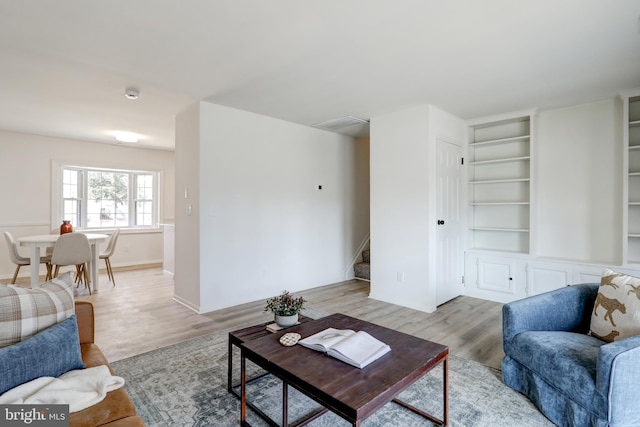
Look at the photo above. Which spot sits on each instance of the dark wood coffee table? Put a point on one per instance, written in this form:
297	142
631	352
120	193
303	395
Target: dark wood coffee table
353	394
236	338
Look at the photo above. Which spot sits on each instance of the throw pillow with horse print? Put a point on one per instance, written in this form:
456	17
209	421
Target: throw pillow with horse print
616	312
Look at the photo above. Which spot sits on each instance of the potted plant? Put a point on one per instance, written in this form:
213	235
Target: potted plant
285	308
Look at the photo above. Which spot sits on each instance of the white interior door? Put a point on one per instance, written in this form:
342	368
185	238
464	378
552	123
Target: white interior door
449	255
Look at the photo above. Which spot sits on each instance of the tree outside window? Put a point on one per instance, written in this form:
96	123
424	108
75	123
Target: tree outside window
108	201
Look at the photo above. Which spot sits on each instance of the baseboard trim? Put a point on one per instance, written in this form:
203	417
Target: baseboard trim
186	303
25	278
135	266
403	303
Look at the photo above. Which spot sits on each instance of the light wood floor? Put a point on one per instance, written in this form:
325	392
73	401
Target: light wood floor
138	315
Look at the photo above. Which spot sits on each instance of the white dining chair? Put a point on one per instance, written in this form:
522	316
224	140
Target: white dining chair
72	249
21	261
108	251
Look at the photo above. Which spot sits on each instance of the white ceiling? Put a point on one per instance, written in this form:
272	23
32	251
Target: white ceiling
65	64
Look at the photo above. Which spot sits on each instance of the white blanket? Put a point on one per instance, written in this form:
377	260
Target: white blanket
79	389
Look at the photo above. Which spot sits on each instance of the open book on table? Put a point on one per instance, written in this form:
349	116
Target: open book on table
355	348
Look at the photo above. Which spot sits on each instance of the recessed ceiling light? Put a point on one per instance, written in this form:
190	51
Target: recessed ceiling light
132	93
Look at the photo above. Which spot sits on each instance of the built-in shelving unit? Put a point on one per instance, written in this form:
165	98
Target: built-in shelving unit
499	160
631	131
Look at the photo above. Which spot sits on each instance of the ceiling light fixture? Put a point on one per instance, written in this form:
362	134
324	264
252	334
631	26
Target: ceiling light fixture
132	93
123	136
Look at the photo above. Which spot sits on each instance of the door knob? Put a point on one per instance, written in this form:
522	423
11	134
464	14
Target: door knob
440	222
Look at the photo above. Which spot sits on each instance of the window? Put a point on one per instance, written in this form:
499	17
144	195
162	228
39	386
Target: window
101	198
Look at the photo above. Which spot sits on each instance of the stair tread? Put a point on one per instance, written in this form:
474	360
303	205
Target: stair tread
362	270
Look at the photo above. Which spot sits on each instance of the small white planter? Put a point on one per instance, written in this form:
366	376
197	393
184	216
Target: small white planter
286	321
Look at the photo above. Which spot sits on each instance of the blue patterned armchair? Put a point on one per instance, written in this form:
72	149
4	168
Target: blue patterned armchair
573	378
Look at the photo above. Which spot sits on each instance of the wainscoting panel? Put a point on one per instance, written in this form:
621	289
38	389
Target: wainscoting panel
544	278
589	274
496	276
505	277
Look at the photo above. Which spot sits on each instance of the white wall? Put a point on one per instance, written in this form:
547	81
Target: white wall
187	233
264	226
403	211
25	172
400	207
579	184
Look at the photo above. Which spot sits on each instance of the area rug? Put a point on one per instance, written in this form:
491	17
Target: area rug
186	385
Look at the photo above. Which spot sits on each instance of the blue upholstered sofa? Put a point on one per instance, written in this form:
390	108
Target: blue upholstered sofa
573	378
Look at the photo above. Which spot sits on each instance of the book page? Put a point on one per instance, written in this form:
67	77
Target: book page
323	340
361	349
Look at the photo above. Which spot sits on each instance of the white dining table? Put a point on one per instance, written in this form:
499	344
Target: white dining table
49	240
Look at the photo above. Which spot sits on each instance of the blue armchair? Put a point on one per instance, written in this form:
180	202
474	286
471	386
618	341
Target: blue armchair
573	378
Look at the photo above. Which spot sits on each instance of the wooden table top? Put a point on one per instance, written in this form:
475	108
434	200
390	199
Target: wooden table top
351	392
258	331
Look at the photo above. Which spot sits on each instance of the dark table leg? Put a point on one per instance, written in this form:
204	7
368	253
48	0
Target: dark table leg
231	387
243	389
445	392
445	382
285	404
230	367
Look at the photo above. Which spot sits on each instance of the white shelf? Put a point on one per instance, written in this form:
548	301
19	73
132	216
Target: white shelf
631	187
509	159
500	163
498	181
497	251
517	230
500	141
500	203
